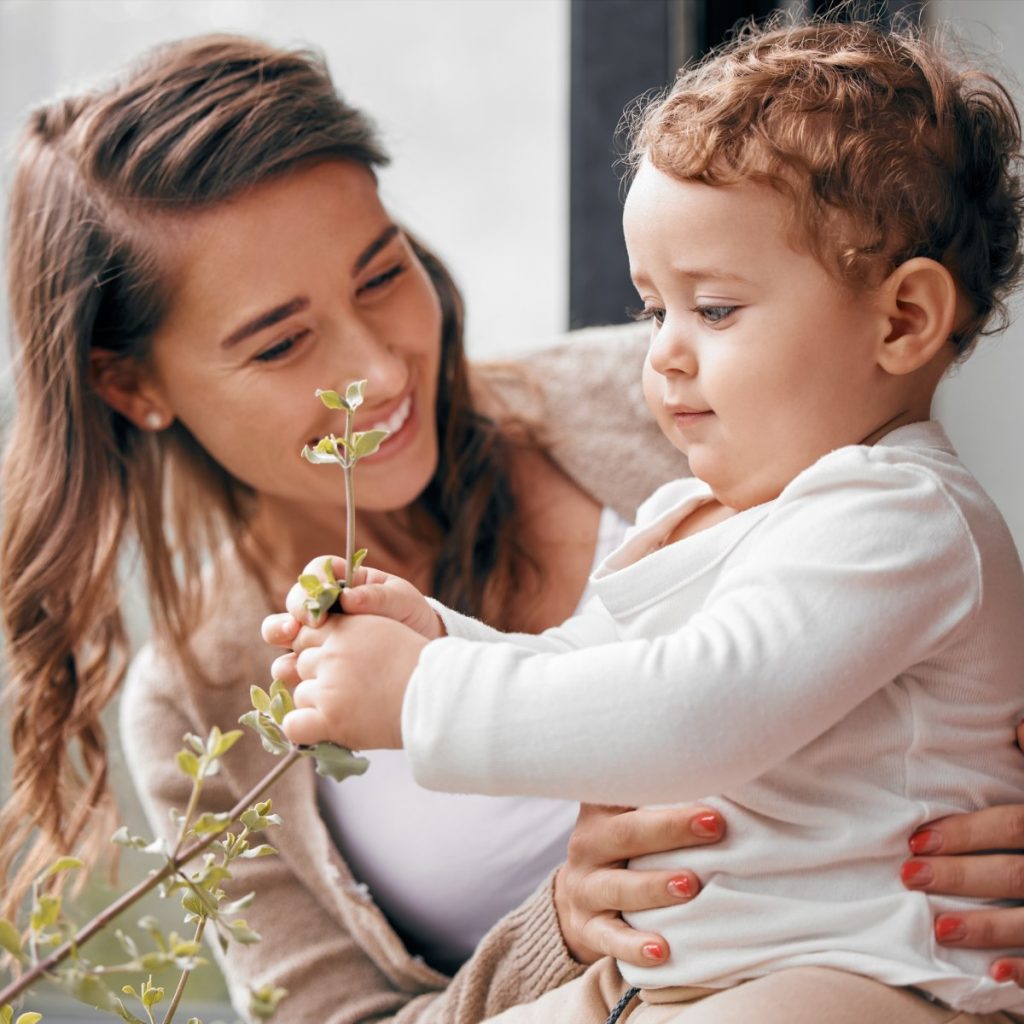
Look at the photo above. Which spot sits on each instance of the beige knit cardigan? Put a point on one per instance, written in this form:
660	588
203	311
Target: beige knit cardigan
324	939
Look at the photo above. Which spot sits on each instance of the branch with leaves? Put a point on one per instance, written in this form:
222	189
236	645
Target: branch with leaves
218	839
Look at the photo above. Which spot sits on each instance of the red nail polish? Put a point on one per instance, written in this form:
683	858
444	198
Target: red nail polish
916	873
705	825
653	951
926	841
680	887
1004	972
948	929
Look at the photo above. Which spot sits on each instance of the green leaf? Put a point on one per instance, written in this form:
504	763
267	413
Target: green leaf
311	584
264	850
279	691
188	763
357	558
331	399
367	442
226	742
152	996
328	570
354	394
263	1001
317	458
29	1018
241	932
260	698
6	1013
10	940
123	838
208	823
337	762
45	912
63	864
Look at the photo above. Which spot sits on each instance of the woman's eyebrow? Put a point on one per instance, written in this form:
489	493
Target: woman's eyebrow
374	247
265	320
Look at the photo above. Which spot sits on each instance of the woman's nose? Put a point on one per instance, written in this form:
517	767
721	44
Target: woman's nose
364	354
671	350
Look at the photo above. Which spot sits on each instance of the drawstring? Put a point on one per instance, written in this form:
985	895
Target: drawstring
621	1005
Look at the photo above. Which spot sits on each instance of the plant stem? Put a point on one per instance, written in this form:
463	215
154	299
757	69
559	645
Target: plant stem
183	980
350	507
122	903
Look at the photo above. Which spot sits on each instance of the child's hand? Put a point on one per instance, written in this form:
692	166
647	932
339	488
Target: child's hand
350	676
373	593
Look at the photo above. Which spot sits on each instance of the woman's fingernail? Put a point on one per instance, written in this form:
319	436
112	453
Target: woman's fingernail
680	887
707	826
916	873
950	929
1005	972
926	841
654	951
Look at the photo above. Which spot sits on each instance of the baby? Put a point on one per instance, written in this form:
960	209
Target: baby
823	628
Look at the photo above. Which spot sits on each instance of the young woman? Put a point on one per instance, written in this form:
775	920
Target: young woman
196	249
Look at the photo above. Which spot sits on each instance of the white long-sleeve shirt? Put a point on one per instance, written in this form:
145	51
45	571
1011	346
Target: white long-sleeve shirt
831	669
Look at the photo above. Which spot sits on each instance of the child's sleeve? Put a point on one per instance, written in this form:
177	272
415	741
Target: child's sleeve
854	578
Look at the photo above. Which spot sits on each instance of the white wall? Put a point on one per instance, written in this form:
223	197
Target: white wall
982	404
471	97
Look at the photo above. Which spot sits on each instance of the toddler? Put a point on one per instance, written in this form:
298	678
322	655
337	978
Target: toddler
825	626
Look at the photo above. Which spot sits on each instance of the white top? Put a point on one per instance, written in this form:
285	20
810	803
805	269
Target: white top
445	867
841	664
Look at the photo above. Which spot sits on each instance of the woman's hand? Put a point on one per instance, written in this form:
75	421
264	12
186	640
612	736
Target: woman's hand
970	855
594	886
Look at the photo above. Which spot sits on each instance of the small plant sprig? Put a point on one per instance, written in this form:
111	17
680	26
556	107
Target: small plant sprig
219	838
344	451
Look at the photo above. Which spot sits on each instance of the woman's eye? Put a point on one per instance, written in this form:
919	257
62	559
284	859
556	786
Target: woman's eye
379	280
714	314
281	349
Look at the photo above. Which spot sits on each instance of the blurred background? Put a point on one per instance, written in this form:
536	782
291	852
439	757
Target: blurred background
500	116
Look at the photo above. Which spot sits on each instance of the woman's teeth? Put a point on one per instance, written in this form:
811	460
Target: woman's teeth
396	420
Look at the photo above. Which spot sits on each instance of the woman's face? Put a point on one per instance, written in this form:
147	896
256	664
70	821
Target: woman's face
304	282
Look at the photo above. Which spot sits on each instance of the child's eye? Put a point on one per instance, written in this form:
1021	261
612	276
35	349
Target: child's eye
379	280
714	314
281	349
655	313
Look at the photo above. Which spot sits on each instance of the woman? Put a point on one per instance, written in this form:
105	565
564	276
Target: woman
196	250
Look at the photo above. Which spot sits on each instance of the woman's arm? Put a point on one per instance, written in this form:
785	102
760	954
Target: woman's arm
979	854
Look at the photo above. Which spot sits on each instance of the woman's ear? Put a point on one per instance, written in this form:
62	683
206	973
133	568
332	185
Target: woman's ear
920	303
123	384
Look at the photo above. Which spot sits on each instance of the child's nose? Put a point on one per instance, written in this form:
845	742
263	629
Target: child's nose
671	350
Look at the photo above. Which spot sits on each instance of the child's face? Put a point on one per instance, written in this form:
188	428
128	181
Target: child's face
760	361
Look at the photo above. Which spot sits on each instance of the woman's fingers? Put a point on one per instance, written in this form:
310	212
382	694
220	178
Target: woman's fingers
994	876
610	834
999	928
1008	968
611	936
994	828
636	889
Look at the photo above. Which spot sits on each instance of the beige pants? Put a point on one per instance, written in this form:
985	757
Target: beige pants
802	995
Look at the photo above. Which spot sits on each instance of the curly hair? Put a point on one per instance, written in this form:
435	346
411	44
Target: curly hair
886	147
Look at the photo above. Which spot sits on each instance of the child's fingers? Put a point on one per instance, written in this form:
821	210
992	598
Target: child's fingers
374	598
305	726
280	629
284	669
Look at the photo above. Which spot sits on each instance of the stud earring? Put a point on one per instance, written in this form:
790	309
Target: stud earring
153	420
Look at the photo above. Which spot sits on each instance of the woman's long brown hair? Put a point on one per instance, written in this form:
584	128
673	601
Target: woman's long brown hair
195	123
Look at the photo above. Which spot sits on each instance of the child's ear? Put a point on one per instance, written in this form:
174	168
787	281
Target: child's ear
919	300
123	384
